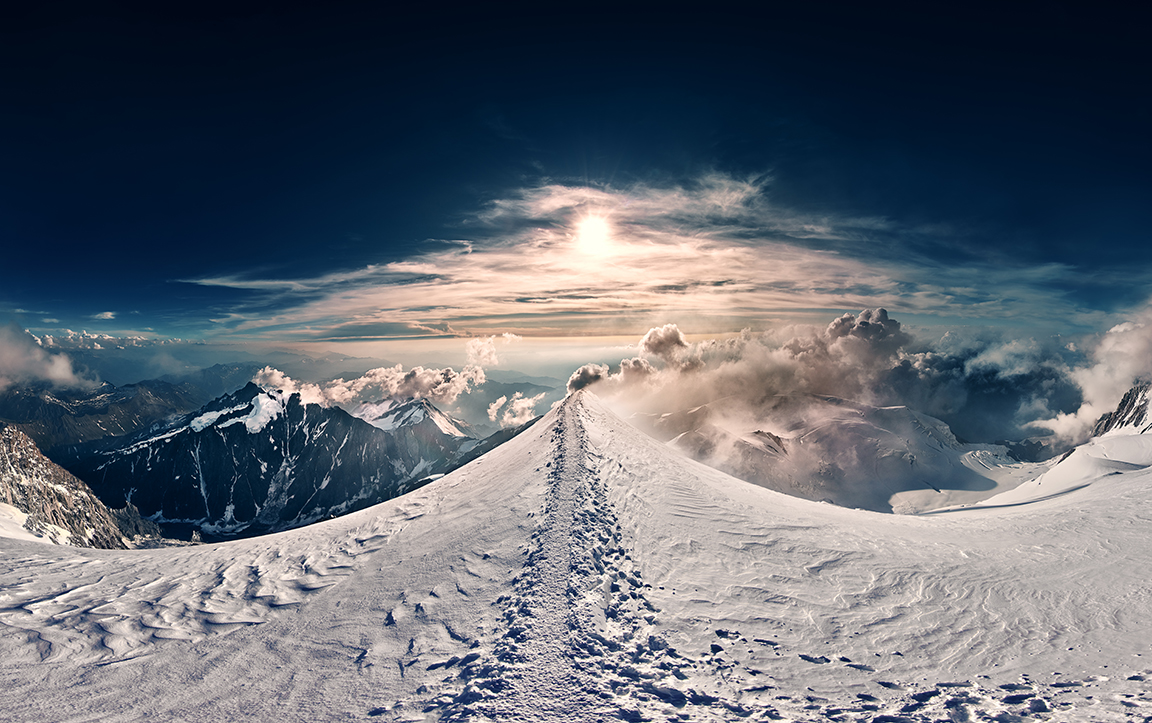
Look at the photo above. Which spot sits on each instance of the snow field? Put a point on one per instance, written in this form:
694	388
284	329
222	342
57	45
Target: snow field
583	571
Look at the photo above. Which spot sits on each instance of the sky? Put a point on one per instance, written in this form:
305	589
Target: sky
354	179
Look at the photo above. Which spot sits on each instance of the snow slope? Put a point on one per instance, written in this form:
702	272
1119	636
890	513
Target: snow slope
585	572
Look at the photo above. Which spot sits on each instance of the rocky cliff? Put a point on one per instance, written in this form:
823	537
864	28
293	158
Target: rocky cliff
59	507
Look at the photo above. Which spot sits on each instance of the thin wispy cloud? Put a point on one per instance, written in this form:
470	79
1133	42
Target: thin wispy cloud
716	254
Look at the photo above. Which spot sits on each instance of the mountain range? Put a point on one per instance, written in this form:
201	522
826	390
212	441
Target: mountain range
256	461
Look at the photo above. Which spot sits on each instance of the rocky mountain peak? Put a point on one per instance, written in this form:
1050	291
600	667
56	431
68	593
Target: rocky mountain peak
59	507
1132	412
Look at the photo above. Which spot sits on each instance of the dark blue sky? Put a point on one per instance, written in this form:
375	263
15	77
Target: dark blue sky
147	147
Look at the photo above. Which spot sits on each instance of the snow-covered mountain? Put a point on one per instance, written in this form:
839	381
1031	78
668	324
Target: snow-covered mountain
41	500
851	454
584	571
391	414
256	461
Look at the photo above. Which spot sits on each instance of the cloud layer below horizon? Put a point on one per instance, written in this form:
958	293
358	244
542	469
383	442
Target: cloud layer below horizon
986	387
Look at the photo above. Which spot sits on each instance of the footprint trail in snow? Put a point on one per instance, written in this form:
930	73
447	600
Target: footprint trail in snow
578	624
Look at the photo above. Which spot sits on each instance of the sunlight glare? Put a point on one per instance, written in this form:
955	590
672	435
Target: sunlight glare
593	236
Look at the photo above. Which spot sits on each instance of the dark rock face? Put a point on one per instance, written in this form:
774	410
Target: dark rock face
256	461
1131	412
55	418
60	507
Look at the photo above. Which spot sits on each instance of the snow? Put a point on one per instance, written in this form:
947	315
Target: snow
584	572
390	415
199	424
265	408
12	523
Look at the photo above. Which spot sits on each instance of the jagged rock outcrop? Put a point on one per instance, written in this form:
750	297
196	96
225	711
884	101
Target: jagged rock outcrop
60	507
1132	413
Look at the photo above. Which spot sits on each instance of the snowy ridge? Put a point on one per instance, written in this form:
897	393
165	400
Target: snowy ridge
583	571
390	415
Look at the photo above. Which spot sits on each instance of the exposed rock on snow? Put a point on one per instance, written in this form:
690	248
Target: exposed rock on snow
584	571
1130	416
50	502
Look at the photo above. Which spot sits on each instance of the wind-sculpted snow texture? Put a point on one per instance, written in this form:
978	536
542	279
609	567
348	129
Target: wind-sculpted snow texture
585	572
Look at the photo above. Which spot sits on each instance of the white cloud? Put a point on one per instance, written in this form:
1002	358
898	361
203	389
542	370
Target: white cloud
1120	358
717	251
68	339
442	386
519	411
482	350
104	315
494	407
24	360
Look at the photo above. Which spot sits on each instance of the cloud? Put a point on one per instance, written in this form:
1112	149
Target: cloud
494	407
482	350
716	251
986	387
1120	358
72	340
519	411
104	316
442	386
586	376
23	361
663	341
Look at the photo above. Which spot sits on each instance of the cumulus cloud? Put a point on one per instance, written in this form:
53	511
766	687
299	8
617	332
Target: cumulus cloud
104	316
586	376
1119	359
482	349
69	340
441	386
494	407
519	411
663	341
986	387
23	360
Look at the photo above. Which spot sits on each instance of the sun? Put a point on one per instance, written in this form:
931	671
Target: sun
594	235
